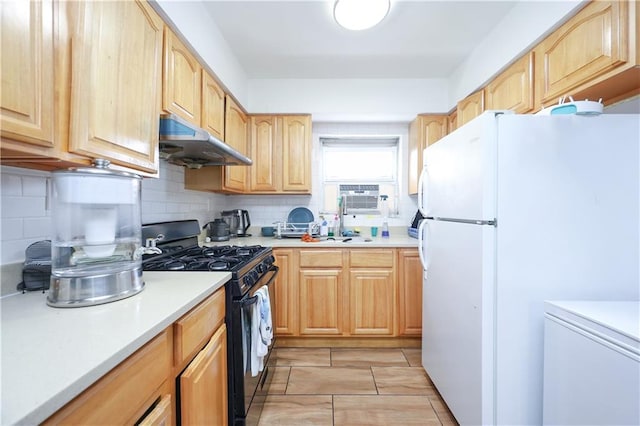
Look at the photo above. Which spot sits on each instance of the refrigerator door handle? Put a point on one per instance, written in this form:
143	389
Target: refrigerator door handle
423	181
492	222
422	248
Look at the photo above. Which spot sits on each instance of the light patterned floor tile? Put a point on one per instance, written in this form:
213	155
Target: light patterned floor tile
383	410
442	411
402	381
279	380
368	357
280	410
414	357
329	381
301	357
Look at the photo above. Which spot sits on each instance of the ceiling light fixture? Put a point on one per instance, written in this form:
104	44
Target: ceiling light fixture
360	14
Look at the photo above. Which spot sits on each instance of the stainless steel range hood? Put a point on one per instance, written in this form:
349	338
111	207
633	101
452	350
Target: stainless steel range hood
184	144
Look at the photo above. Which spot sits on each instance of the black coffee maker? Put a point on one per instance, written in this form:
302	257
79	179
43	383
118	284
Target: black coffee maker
238	221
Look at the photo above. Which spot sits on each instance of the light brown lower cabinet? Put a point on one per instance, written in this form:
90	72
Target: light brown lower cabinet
369	292
410	293
142	389
124	394
203	385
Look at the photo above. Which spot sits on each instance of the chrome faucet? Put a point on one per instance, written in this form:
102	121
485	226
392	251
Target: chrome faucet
342	207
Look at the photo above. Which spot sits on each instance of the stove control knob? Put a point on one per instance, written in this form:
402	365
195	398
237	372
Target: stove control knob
248	280
260	268
254	276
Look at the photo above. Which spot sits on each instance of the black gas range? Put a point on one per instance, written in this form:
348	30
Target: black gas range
252	270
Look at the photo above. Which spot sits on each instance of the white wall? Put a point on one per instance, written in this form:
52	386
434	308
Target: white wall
194	24
521	29
350	100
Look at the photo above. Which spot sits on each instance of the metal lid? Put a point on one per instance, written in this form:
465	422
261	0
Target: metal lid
100	168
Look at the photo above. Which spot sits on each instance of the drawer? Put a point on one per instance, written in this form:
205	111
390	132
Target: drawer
193	330
371	258
320	258
123	394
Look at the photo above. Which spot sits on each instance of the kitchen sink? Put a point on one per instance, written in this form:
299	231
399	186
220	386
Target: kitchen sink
345	240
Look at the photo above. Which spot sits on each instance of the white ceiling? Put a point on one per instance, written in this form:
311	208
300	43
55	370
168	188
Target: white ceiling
300	39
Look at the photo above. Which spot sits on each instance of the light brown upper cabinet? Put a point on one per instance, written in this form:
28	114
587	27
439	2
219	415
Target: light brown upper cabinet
595	53
470	107
423	131
225	179
452	121
34	93
212	106
513	88
115	82
296	149
265	149
26	95
280	147
182	80
236	131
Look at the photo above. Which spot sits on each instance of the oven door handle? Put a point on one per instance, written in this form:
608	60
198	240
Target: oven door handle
248	302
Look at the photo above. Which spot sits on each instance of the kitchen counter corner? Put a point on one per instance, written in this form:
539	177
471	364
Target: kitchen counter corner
50	355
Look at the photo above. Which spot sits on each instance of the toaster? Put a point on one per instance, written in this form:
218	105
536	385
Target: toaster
36	270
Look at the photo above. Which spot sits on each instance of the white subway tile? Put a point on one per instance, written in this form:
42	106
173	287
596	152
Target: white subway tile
39	227
11	185
33	186
12	228
23	207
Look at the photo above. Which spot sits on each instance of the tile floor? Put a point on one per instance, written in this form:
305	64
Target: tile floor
340	387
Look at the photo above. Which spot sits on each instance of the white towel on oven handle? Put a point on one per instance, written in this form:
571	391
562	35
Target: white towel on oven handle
266	325
257	361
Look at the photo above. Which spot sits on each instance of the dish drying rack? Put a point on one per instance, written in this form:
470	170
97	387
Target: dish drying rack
296	230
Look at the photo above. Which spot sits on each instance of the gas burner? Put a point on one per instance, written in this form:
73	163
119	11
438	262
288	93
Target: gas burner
175	265
218	266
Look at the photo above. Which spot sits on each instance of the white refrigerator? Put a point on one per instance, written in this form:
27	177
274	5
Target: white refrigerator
521	209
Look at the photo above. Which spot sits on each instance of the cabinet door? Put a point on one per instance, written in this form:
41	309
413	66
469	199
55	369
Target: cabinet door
410	286
203	385
181	84
236	127
285	294
372	301
423	131
592	43
115	83
161	415
296	151
470	107
452	121
212	106
26	93
266	152
321	302
513	88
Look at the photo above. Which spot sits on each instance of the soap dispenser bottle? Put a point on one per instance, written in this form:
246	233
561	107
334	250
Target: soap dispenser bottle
384	208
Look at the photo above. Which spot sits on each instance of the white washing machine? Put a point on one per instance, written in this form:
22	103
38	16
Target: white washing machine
592	363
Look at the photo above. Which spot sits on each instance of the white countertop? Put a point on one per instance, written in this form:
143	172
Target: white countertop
50	355
622	317
398	238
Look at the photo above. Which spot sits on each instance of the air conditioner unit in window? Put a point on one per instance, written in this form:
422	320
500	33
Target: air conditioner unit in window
360	199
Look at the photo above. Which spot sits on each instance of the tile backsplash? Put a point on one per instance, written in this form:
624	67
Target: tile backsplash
26	217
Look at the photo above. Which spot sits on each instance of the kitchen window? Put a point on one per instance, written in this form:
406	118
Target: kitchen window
353	160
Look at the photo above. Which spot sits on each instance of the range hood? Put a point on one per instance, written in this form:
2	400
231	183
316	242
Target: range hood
186	145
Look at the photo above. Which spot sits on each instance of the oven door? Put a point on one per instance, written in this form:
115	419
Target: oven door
253	378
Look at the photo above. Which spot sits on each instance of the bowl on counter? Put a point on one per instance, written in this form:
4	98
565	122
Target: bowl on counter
268	231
